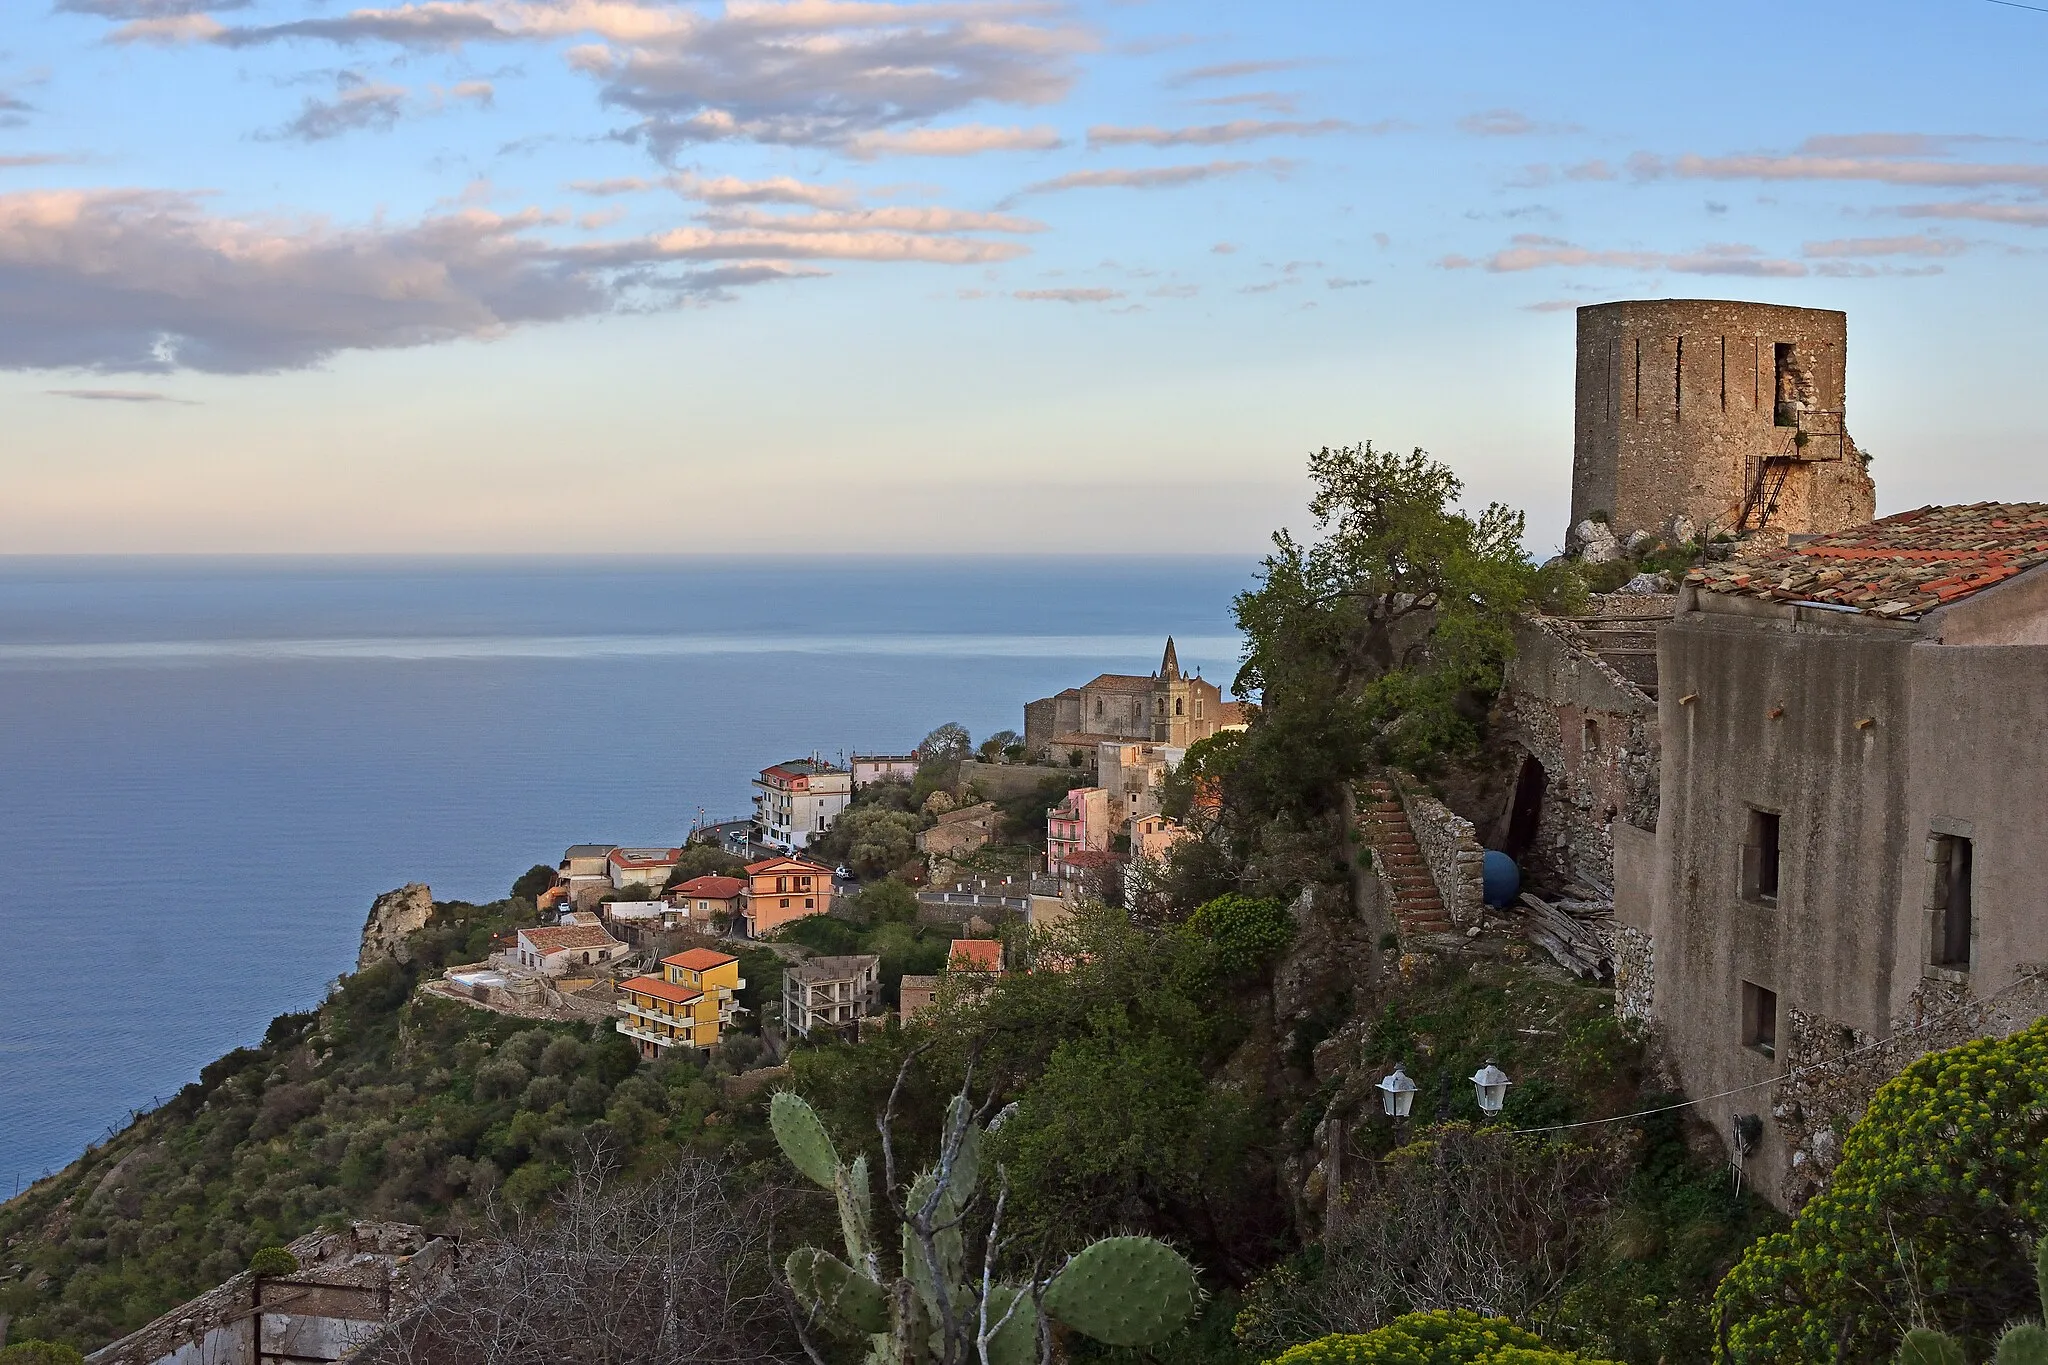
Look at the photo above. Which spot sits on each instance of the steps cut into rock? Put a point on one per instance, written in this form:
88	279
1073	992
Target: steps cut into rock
1383	825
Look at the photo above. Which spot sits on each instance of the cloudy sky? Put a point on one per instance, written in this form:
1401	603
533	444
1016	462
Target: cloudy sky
589	275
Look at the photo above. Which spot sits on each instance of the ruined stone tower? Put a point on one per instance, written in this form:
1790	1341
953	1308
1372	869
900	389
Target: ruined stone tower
1729	415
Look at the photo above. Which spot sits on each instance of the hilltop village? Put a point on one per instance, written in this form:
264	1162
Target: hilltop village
977	845
1644	948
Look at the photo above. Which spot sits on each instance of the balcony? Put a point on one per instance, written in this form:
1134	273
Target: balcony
627	1027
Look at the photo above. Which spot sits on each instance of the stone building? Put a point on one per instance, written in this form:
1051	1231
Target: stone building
1704	415
1847	861
1168	707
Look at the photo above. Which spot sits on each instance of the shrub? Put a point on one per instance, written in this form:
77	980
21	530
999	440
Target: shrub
40	1353
273	1261
1455	1337
1248	932
1939	1193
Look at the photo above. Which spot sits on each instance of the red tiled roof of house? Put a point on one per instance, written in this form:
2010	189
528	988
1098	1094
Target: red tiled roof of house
793	864
699	959
1900	566
644	857
660	990
556	938
1088	858
976	955
711	888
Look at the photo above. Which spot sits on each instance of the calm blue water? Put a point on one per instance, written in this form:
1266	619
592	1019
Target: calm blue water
209	767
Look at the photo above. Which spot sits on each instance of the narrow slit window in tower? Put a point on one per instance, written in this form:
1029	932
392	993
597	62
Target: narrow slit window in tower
1678	380
1639	378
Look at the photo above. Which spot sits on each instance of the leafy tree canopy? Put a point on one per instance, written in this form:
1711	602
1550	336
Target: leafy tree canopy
533	882
1457	1337
950	742
1382	640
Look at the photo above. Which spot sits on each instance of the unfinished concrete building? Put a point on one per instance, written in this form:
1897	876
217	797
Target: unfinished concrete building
1848	861
1701	416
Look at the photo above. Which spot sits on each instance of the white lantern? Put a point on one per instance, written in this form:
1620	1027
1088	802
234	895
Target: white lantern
1398	1093
1492	1084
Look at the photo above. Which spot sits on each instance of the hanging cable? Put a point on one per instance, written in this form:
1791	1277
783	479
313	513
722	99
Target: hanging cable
2026	979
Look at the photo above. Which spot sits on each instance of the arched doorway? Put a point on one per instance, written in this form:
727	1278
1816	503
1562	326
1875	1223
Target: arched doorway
1525	817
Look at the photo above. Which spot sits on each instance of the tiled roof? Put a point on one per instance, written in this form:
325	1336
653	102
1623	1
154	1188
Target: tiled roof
710	888
797	865
1121	682
645	857
660	990
1901	566
558	938
976	955
699	959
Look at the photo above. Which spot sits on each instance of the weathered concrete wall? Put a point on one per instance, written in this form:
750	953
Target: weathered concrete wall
1676	396
1979	761
999	781
2014	612
1760	709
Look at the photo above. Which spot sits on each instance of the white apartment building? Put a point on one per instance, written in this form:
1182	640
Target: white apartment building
797	801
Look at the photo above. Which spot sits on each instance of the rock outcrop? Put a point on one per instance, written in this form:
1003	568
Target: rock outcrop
394	917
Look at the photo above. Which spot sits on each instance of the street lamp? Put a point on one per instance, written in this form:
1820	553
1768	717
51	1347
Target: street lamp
1492	1084
1397	1092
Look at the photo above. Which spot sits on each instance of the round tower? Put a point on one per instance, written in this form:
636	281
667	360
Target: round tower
1729	416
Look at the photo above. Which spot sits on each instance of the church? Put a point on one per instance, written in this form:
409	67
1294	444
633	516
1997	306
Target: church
1169	708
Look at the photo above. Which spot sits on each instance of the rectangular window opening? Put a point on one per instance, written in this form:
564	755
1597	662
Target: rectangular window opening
1953	859
1760	858
1760	1019
1639	378
1724	374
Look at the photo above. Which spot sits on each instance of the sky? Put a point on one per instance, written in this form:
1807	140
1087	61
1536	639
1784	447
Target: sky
800	276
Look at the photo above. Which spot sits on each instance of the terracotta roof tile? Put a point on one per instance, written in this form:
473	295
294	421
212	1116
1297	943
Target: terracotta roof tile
711	888
976	955
1900	566
700	959
660	990
557	938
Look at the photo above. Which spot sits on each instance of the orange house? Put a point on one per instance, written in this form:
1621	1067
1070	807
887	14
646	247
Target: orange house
783	889
686	1006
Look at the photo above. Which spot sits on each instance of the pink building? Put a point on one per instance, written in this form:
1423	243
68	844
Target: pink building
1078	824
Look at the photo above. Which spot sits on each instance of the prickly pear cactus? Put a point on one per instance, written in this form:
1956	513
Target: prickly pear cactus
1925	1346
2026	1344
1127	1291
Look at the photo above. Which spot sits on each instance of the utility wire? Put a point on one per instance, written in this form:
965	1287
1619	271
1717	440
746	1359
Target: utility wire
2015	4
1927	1023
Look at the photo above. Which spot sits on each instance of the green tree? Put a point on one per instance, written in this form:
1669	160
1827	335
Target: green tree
889	901
948	743
706	860
876	840
533	882
1383	640
1940	1191
1247	932
40	1353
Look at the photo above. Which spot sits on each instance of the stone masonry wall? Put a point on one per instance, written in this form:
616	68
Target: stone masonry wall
1450	846
1818	1102
1635	974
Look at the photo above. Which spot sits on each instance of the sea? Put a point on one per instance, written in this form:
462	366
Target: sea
209	767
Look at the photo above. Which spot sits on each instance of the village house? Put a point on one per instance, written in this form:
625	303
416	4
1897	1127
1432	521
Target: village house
1078	824
641	866
960	831
797	801
830	993
585	871
783	889
1165	708
976	955
688	1005
1152	836
634	921
868	769
703	902
1134	775
915	994
563	949
1848	849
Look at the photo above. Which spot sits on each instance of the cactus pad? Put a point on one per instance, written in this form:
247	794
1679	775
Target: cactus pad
1015	1341
2026	1344
1924	1346
801	1135
850	1189
830	1288
1125	1291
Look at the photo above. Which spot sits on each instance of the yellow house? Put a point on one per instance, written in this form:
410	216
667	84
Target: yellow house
686	1006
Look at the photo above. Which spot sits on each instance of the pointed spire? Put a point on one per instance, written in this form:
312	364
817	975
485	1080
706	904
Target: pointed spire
1169	667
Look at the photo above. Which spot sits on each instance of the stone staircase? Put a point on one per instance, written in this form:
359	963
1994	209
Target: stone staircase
1383	825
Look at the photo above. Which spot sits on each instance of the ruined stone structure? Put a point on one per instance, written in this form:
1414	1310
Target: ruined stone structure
1848	865
1702	415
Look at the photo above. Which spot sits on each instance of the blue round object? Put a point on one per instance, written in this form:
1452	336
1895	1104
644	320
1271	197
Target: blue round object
1503	880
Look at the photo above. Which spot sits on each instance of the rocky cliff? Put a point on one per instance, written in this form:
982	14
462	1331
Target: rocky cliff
394	917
